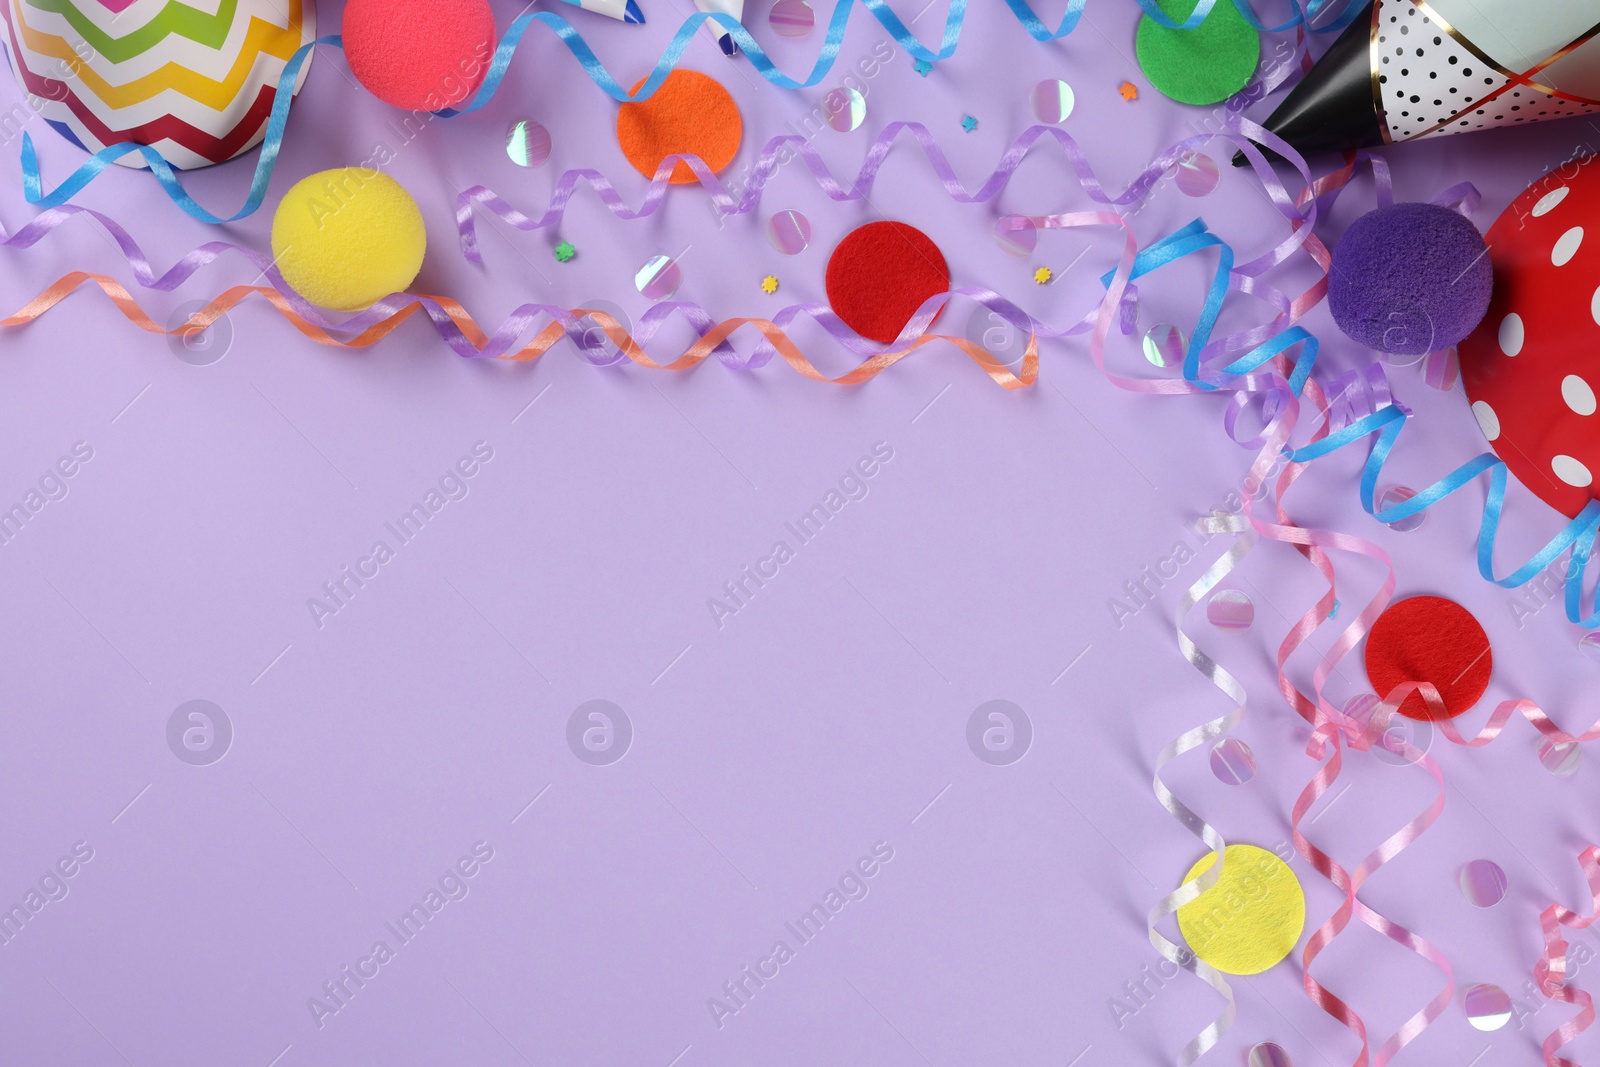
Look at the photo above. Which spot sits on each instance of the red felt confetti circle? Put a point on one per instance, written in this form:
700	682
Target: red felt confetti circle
1527	368
1430	639
880	274
420	55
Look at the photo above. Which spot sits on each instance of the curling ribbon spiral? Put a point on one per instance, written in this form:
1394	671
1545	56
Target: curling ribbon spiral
1551	970
769	161
1200	372
573	40
1328	725
1189	740
1326	739
1274	383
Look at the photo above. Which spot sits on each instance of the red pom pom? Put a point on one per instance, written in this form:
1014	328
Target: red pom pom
880	274
421	55
1430	639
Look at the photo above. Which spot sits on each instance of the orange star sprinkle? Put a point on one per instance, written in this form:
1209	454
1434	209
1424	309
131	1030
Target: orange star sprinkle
1128	90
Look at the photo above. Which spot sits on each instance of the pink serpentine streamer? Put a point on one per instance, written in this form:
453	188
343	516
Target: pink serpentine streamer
1330	725
1326	736
1314	545
1273	440
1243	279
1551	970
1366	391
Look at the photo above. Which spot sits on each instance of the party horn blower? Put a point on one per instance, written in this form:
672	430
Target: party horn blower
734	8
1428	68
621	10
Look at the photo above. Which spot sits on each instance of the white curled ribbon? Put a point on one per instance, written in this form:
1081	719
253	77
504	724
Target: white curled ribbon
1244	541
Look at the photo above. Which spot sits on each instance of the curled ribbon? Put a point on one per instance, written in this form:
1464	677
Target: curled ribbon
1356	394
1387	421
1314	545
1551	971
467	339
457	327
1189	740
1324	738
271	145
1201	372
573	40
1279	379
767	164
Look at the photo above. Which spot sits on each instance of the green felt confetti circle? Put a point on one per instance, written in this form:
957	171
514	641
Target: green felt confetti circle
1204	65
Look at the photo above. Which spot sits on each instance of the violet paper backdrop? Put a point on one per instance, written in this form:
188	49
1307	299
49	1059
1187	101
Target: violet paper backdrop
421	737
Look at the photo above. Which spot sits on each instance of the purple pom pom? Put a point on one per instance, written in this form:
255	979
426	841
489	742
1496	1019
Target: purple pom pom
1410	279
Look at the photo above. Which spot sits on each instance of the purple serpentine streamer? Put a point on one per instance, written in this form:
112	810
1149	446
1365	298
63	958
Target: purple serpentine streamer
1356	394
51	219
770	160
1243	277
480	197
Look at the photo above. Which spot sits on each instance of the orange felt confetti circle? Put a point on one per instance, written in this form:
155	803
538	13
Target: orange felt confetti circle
690	114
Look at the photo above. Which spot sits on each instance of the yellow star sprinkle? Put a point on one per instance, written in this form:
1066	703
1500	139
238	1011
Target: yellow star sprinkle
769	284
1043	275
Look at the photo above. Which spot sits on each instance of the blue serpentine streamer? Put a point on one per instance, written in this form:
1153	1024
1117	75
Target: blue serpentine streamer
1387	423
272	143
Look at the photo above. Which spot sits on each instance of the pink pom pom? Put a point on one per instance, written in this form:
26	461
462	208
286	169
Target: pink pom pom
421	55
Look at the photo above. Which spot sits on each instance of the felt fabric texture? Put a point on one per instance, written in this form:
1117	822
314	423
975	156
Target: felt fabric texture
1250	920
420	55
880	274
1204	65
1410	279
1527	368
346	238
690	114
1430	639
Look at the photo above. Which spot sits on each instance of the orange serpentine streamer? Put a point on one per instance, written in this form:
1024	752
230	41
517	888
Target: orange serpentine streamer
541	343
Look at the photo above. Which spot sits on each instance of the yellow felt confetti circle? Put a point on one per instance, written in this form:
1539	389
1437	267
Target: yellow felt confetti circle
1251	919
346	238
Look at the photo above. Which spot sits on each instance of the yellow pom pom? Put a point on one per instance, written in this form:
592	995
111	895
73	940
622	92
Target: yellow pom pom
344	239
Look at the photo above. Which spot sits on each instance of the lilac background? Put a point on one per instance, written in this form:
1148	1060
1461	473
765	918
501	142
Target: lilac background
768	755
